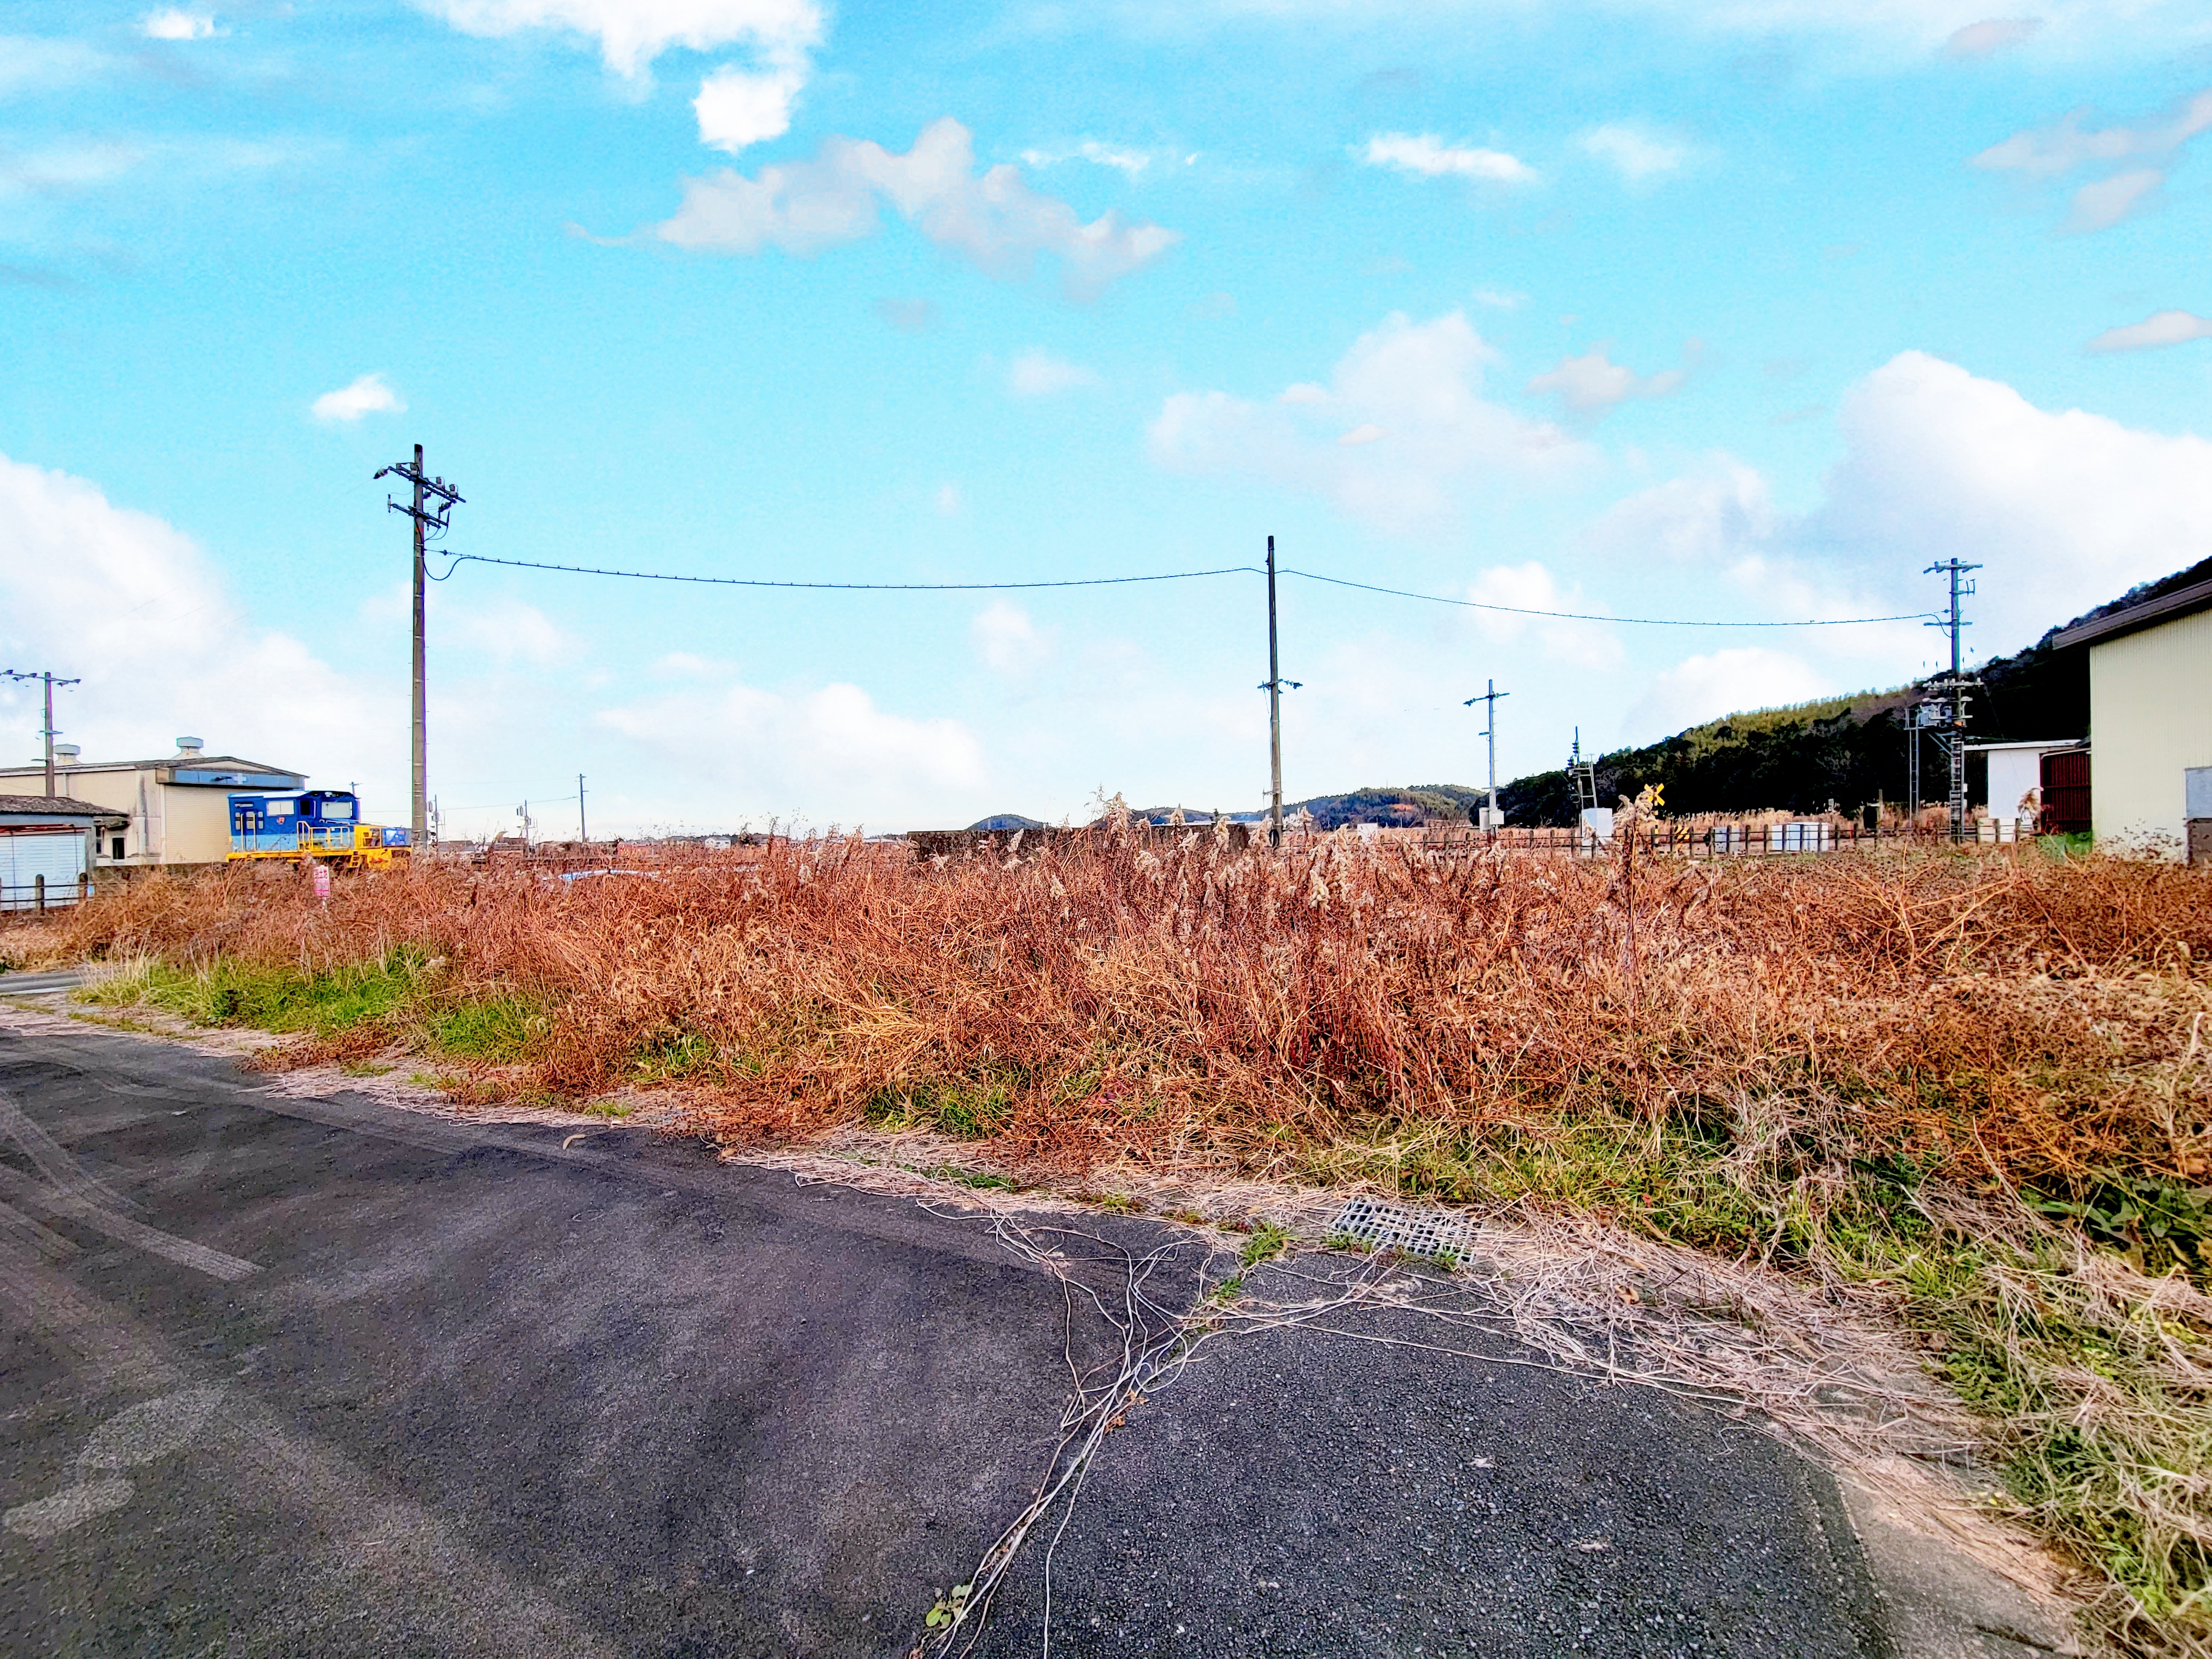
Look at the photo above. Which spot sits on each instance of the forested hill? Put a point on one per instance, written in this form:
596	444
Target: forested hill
1843	751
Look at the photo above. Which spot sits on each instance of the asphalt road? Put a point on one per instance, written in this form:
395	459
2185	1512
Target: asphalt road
322	1377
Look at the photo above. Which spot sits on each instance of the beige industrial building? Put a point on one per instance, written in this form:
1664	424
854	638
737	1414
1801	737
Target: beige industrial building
176	809
2150	719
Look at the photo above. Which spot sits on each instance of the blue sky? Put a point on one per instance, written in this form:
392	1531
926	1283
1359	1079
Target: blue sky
1739	310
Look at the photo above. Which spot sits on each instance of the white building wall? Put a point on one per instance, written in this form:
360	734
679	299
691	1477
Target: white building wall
2150	709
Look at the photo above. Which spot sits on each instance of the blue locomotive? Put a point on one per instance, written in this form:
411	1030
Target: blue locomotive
316	824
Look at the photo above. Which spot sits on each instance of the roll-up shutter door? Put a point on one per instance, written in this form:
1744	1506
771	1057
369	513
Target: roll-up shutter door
26	855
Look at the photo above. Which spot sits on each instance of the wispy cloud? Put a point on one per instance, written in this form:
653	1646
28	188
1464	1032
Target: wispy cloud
31	63
1037	373
2163	328
1426	156
1593	384
1119	157
1991	35
909	316
1635	152
368	395
994	219
2049	153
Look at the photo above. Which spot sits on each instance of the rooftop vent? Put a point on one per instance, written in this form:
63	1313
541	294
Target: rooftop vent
65	753
188	745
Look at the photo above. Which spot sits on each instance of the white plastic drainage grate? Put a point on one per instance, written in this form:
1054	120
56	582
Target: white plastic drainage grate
1385	1226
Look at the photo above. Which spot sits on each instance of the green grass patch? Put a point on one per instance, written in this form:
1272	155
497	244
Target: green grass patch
969	1108
672	1054
1264	1243
496	1031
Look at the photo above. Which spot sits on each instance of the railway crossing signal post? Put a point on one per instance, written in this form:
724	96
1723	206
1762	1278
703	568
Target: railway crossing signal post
434	501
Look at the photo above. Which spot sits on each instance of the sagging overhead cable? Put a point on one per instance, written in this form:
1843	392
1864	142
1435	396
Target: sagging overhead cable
460	559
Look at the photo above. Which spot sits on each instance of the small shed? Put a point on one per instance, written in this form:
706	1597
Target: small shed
2018	773
46	845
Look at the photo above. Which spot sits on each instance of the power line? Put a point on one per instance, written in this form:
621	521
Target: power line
460	559
1584	616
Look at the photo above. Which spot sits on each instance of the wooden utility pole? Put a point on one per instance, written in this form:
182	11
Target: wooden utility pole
1274	688
433	504
1490	695
47	676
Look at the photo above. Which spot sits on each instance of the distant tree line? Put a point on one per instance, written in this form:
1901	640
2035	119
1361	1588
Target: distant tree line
1848	752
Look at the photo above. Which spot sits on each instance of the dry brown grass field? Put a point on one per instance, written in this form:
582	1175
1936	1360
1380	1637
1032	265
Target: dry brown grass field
1973	1086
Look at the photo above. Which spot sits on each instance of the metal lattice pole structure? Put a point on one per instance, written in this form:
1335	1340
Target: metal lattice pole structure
434	502
1952	687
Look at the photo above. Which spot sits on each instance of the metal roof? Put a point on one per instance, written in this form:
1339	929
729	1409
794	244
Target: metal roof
55	806
2167	607
182	762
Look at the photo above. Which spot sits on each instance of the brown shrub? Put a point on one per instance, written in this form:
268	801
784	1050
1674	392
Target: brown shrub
1187	1003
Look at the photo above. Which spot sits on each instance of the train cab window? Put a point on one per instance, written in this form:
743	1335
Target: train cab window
279	808
338	810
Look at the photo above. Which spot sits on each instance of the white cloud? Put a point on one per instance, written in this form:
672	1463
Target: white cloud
1420	383
736	749
1593	383
1531	586
2048	153
1007	639
2064	510
174	23
368	395
129	604
1426	156
2163	328
1499	299
1734	680
736	107
1990	36
1037	373
1636	154
994	219
948	500
631	34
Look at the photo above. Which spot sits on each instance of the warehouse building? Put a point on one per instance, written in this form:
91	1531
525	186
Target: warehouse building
2150	715
175	810
46	849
